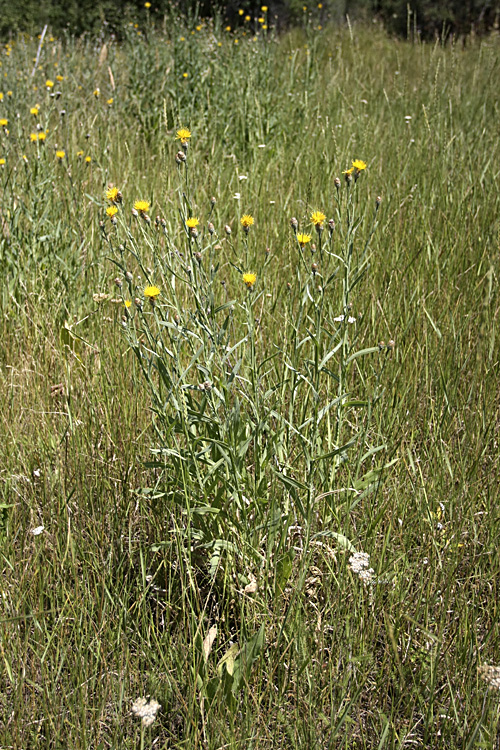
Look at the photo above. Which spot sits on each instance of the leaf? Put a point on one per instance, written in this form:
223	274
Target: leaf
228	660
209	641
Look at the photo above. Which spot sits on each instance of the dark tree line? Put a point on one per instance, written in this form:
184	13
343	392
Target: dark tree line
427	18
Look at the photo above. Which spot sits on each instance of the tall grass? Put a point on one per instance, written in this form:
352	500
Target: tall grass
205	466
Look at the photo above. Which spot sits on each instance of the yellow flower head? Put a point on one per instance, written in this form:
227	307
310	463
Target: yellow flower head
113	194
303	239
348	171
3	122
192	222
97	93
358	165
60	155
109	102
1	96
317	218
49	84
88	159
246	221
42	136
151	292
264	9
249	279
59	78
111	211
142	206
33	137
79	154
183	135
2	162
127	303
147	5
35	110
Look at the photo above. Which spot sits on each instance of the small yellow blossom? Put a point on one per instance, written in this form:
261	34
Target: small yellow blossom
88	159
113	194
261	20
111	211
142	206
9	93
109	102
358	165
228	28
1	96
249	279
264	9
97	93
59	78
2	162
33	137
34	111
151	292
60	154
240	12
79	154
348	171
317	218
184	75
303	239
49	84
246	221
147	5
42	136
127	303
3	122
192	222
248	18
183	135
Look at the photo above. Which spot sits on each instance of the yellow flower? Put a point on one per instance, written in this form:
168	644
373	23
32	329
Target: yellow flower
142	206
318	218
147	5
183	135
184	75
42	136
151	292
3	122
1	96
246	221
261	20
79	154
49	84
248	18
2	162
358	165
59	78
127	303
60	155
34	111
97	93
192	222
88	159
348	171
111	211
264	9
33	137
109	102
249	279
113	194
303	239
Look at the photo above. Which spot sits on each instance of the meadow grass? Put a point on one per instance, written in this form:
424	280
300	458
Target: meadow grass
209	467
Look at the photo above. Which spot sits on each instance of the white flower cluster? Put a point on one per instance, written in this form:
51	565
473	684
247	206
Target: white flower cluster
491	675
145	710
359	564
